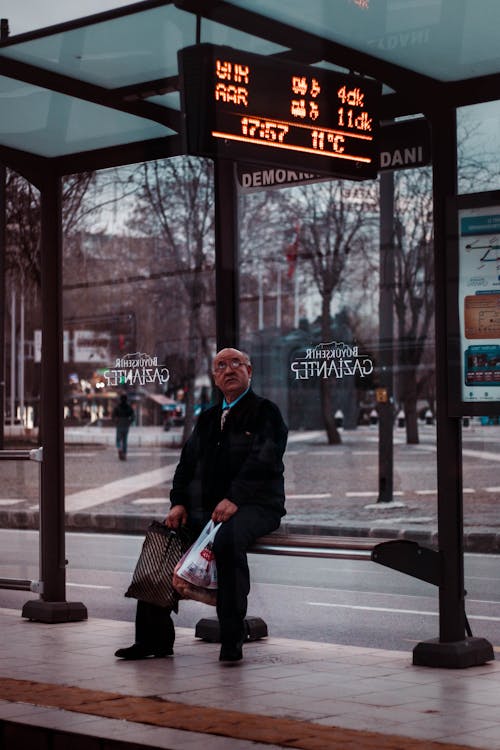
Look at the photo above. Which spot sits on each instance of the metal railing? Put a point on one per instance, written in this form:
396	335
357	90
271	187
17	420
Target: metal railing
14	454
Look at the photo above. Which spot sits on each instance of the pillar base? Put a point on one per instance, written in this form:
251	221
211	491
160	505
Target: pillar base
471	652
208	629
52	612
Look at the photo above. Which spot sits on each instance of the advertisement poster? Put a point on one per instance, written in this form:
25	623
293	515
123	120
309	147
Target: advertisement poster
479	303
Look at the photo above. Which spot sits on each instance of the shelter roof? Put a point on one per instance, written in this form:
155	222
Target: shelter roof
104	90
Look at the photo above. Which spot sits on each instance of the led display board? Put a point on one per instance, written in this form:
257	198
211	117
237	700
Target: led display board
266	110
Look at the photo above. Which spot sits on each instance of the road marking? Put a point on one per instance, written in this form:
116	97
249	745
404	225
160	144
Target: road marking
492	489
300	437
371	494
146	454
8	501
486	455
88	586
69	454
373	609
150	500
397	611
466	491
118	489
309	497
336	452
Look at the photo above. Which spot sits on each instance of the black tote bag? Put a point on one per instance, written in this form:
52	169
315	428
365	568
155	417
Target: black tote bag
152	579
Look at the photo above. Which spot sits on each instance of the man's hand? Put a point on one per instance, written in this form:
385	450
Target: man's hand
177	516
224	510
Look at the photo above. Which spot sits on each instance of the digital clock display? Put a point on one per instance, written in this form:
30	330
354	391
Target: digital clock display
262	109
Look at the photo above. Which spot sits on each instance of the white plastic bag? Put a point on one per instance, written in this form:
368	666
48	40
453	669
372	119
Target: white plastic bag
198	566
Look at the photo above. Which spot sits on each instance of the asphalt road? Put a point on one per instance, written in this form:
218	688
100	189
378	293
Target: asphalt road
338	601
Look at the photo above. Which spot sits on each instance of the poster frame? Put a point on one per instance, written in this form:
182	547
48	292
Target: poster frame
457	405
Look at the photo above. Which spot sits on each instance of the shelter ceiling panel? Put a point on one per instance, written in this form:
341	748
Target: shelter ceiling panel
448	40
113	53
49	124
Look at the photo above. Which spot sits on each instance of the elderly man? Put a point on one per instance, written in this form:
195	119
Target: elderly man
230	470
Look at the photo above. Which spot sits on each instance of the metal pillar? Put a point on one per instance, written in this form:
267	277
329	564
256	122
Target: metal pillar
386	340
3	249
4	33
226	255
52	606
452	648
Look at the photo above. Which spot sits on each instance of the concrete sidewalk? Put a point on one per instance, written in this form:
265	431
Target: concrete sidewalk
61	687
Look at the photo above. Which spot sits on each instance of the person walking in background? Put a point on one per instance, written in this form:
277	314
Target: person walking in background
123	415
230	470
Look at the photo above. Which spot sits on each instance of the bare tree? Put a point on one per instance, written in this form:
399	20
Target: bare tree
413	289
267	226
22	262
23	222
176	203
333	227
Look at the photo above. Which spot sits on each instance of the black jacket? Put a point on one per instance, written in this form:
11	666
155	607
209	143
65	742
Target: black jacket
242	463
123	414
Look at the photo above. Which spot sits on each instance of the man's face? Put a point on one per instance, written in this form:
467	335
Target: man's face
232	373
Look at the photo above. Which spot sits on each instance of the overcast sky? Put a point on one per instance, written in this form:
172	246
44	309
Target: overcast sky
27	15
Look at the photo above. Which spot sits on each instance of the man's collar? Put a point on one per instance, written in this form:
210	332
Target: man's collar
225	405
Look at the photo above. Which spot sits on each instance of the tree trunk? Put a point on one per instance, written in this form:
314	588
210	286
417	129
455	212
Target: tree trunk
325	388
332	433
410	408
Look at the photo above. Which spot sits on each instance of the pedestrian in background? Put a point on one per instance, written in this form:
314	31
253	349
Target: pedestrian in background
123	415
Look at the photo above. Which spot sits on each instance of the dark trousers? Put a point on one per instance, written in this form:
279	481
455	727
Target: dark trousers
154	628
122	438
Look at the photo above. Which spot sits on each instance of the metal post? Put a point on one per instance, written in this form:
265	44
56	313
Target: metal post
21	361
278	298
386	336
13	357
3	249
226	255
260	283
4	33
452	649
52	606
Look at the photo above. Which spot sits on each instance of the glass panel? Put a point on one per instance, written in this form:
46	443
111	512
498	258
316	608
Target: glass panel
216	33
139	321
478	133
480	440
36	120
433	37
19	497
310	314
119	52
479	170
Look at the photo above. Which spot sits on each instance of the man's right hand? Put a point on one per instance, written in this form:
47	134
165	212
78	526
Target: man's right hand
177	516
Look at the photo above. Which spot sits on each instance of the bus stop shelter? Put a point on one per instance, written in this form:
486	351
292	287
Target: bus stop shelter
103	91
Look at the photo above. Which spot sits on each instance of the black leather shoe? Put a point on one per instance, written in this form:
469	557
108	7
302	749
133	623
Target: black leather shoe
135	652
233	652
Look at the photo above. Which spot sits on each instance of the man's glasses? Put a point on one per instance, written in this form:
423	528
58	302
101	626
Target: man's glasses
232	363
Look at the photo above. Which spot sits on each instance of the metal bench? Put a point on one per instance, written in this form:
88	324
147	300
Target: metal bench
309	545
297	545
